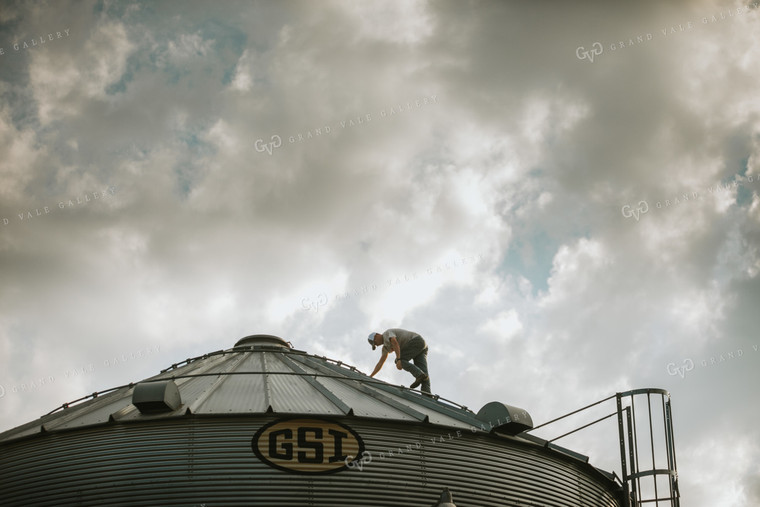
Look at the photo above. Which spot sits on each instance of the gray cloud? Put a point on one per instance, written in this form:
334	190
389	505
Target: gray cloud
523	161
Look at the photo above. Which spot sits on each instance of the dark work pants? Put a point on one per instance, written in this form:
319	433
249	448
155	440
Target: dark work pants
416	349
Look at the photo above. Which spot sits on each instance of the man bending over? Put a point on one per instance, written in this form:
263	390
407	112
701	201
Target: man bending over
407	346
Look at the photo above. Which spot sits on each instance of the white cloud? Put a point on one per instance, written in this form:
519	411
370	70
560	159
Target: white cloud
243	79
725	484
395	21
574	269
188	46
520	166
504	325
61	89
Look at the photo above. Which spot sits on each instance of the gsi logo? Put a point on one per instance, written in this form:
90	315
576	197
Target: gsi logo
307	446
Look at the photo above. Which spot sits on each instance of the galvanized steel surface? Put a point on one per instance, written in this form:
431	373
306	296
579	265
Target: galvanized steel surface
104	451
258	380
209	460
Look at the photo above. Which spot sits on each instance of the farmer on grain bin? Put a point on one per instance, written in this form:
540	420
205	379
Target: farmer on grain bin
407	346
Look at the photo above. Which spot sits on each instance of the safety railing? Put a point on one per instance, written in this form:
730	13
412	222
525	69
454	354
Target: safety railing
647	446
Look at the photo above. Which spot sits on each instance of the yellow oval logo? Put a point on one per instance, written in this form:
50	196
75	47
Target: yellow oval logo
307	446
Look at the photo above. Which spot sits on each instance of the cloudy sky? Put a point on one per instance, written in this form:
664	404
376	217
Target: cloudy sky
563	200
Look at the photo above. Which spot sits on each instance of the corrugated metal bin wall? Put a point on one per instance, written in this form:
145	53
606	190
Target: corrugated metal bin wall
209	460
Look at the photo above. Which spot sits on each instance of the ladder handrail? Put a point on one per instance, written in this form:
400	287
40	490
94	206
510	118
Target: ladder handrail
629	445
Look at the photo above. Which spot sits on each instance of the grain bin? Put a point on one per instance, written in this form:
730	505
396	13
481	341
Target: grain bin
265	424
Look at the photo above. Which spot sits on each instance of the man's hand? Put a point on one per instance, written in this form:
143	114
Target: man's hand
398	363
379	363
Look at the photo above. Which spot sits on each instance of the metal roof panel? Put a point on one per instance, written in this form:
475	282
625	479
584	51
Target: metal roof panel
255	380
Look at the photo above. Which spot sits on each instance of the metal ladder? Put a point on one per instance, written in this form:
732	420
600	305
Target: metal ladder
638	493
644	483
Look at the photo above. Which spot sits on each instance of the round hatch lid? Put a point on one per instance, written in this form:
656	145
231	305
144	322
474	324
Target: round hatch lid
262	339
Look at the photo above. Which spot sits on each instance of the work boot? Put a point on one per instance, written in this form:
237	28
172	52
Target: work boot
419	380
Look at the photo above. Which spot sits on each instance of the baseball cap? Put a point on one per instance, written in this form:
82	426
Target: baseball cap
371	340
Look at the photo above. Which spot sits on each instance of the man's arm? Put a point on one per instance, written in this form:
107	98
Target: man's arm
380	363
397	350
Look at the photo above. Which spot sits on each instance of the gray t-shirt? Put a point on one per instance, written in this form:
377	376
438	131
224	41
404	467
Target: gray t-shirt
402	336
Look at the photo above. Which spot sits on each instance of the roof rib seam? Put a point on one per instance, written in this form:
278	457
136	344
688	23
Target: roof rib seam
318	386
201	399
377	395
460	414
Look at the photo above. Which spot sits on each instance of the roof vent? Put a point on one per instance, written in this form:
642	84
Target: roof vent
262	339
505	418
156	397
